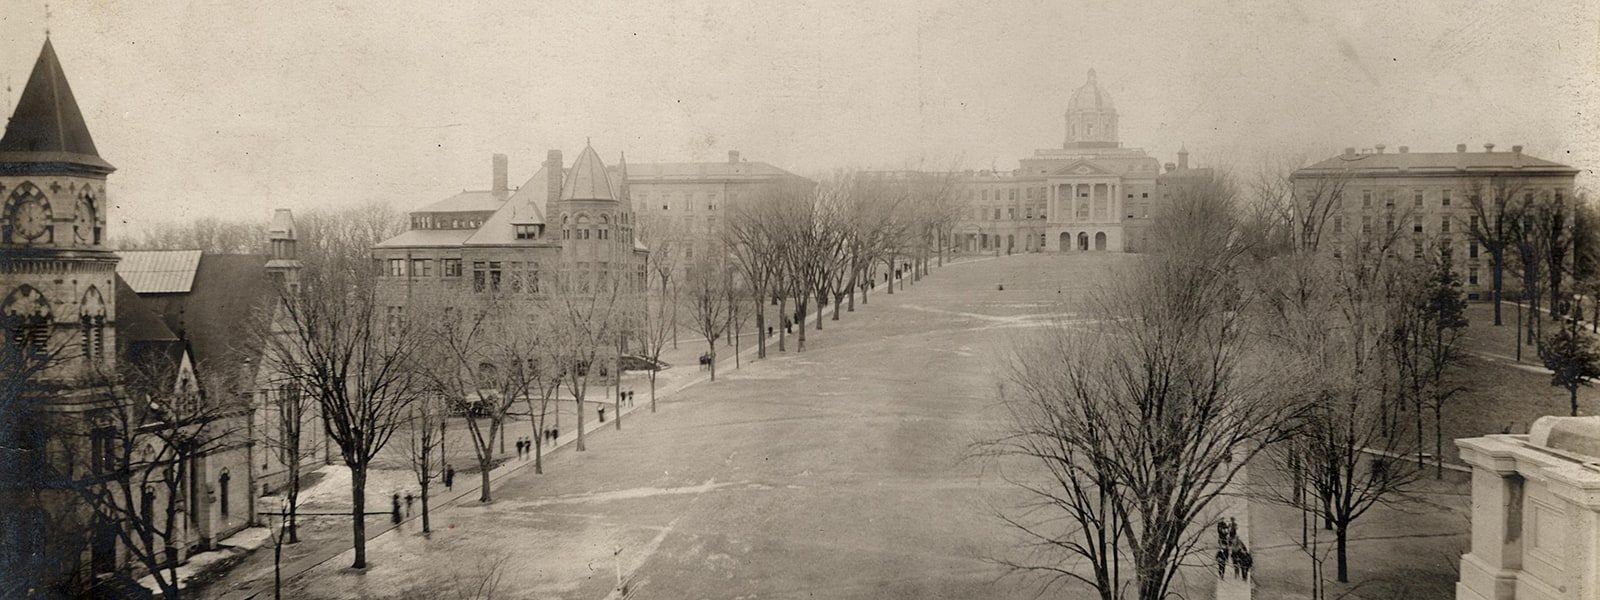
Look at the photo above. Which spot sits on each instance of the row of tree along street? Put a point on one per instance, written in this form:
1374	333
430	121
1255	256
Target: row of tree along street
1239	340
368	377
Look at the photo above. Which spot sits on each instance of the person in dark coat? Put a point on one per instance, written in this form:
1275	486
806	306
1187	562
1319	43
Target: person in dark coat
409	500
396	515
1245	560
1222	562
449	476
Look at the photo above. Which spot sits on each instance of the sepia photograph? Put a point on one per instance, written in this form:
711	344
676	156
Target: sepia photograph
881	299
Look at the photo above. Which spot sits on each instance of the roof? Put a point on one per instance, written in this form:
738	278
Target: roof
525	207
466	201
646	171
158	271
47	126
136	322
228	291
1437	161
1090	97
427	237
282	227
588	179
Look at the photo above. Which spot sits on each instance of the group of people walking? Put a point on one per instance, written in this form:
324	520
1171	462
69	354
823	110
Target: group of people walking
1231	550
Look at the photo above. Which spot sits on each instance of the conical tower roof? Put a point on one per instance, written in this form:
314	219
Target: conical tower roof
47	126
588	179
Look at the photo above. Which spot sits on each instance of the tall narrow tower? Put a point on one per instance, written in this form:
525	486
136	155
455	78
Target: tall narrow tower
58	353
1091	118
284	266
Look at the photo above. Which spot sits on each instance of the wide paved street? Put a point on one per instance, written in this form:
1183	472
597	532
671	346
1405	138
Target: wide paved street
840	472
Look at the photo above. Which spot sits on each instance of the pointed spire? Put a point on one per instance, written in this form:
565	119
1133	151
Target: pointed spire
1091	74
47	126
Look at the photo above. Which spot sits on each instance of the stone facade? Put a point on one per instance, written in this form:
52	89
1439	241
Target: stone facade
1416	203
1089	195
1535	513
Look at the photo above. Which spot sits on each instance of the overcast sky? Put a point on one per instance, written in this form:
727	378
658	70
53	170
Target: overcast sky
232	107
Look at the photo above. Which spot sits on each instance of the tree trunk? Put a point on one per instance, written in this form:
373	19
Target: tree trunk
652	390
1438	439
821	301
578	399
1573	397
426	526
1343	545
800	324
1497	269
1519	332
538	444
783	317
293	494
837	299
713	346
485	463
358	513
761	338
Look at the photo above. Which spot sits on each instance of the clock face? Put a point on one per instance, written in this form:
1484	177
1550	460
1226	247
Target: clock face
31	220
85	222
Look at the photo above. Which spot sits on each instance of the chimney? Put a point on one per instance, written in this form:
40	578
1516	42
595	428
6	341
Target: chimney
1516	157
1380	148
1405	149
1461	147
553	172
1183	159
733	157
500	188
1488	147
1350	151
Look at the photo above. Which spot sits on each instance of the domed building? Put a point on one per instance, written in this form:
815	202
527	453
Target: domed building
1090	195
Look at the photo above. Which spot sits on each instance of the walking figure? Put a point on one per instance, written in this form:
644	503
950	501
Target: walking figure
1246	560
1238	553
602	411
1222	561
396	515
449	477
409	499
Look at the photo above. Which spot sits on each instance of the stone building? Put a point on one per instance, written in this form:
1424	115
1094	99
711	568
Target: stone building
564	221
1409	203
1091	194
1535	513
688	201
58	312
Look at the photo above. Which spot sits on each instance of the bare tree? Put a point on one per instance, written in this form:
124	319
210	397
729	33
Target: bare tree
1140	420
356	358
587	311
1495	213
707	289
424	443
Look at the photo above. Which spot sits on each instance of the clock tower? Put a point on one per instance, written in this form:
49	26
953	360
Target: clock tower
57	315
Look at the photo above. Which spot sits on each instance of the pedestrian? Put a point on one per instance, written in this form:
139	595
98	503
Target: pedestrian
396	515
1222	561
1238	553
1233	530
1222	533
449	477
602	411
1246	560
409	500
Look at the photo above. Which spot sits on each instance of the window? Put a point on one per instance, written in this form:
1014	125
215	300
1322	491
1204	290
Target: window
1416	225
1472	249
1366	225
422	267
1416	199
1366	198
1011	213
1472	224
1388	198
1416	249
1338	224
1389	224
1144	195
997	214
222	491
1030	212
524	232
1444	198
516	277
1472	276
1444	225
397	267
480	276
451	267
494	276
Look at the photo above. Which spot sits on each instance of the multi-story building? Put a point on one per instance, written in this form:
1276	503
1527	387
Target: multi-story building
1409	203
688	202
1090	194
576	221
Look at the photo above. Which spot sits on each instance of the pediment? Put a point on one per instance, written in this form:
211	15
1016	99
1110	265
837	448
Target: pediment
1083	168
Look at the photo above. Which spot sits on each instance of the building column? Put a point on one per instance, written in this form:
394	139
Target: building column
1489	571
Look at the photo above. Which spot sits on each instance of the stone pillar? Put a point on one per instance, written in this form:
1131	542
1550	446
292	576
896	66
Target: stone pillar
1489	571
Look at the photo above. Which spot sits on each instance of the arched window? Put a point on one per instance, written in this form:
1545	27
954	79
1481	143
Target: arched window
222	491
566	227
25	316
28	217
604	229
583	227
92	317
86	222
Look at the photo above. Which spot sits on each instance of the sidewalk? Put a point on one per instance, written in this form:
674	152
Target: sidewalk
1235	502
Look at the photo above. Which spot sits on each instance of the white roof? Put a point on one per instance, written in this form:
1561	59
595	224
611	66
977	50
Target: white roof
159	271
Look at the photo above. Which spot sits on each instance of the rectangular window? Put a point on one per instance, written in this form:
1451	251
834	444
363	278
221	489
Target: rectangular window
1416	199
1030	212
1416	250
1472	249
1366	198
397	267
1388	198
1416	225
494	276
997	214
1444	198
422	267
1338	224
1366	225
1472	276
1444	225
1011	213
480	276
524	232
451	267
1472	224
